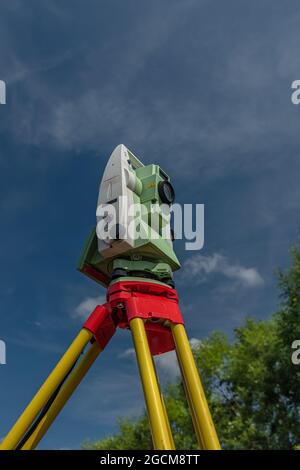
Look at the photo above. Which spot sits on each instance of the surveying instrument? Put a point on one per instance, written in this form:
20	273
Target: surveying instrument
137	272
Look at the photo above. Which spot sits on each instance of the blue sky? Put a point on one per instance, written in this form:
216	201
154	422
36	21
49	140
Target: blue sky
202	88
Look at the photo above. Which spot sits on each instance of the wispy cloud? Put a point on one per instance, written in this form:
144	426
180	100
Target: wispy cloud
200	267
167	364
130	352
86	306
217	117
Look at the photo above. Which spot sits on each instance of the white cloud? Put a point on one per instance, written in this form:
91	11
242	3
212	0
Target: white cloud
166	364
85	308
203	266
130	352
175	121
195	343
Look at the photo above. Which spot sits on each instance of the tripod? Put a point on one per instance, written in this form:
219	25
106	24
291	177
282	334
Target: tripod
149	309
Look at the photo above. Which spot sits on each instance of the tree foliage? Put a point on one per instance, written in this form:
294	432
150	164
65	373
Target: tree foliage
252	386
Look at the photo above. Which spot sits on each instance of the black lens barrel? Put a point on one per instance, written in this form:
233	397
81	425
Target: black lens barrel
166	192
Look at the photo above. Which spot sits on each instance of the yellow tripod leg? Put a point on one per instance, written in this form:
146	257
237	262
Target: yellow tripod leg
157	417
165	409
42	396
194	420
202	419
63	396
168	423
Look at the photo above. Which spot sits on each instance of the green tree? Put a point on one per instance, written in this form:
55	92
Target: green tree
252	386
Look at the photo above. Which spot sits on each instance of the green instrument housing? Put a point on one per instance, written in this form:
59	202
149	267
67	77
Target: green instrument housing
151	257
